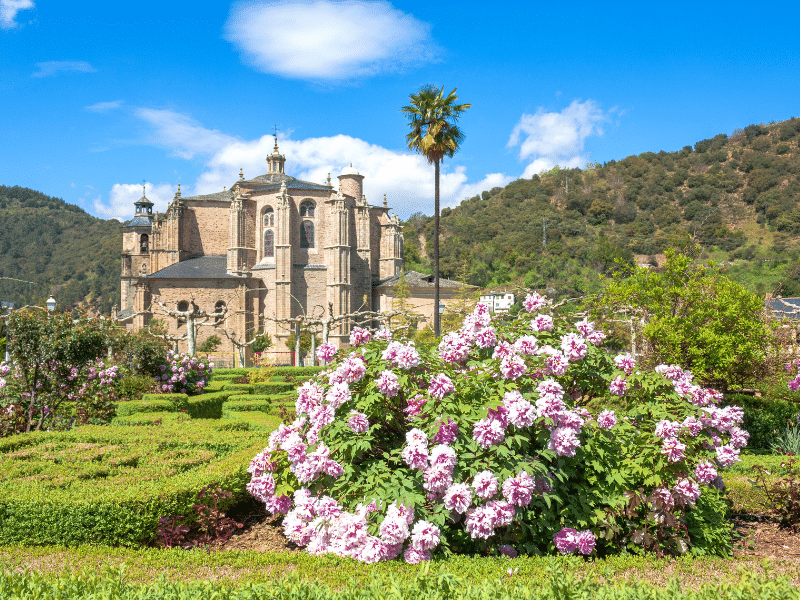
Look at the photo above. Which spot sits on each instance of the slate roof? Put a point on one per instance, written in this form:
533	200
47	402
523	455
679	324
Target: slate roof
219	196
415	279
272	181
202	267
138	221
784	308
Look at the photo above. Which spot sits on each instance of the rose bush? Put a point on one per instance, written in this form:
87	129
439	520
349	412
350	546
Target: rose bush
486	445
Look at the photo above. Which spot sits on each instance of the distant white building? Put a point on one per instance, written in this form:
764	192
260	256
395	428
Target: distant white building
498	302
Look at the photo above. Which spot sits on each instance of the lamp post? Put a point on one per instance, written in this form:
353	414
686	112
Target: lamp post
51	304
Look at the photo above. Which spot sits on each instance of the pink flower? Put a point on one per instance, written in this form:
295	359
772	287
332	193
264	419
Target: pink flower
574	346
705	472
441	385
414	406
338	394
691	424
414	556
383	334
565	541
739	437
401	355
479	522
488	433
727	455
359	336
519	490
415	456
394	529
353	369
542	323
358	422
425	536
502	512
513	368
564	441
534	302
626	362
454	347
557	363
326	352
667	429
261	488
521	413
279	505
387	384
585	541
443	455
458	497
673	449
485	484
486	338
526	345
619	386
686	491
436	479
447	433
606	419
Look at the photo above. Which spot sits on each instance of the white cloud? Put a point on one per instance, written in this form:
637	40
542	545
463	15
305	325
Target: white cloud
46	69
123	195
9	10
322	40
406	178
105	106
182	134
557	138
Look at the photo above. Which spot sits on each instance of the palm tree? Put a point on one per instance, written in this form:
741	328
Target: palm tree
432	117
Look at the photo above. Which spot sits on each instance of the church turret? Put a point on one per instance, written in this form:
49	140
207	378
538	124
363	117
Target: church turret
351	183
136	246
276	160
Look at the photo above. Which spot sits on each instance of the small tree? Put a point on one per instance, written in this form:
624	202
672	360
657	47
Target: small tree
49	351
695	316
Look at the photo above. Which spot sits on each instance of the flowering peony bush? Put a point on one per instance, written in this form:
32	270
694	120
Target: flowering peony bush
486	444
185	374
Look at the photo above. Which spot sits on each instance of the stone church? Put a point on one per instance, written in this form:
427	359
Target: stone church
271	247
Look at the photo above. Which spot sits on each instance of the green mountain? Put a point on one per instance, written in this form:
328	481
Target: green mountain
736	197
50	247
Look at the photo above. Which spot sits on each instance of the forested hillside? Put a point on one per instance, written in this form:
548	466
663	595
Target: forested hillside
737	197
50	247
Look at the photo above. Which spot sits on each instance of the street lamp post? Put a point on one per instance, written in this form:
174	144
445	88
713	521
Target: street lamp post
51	304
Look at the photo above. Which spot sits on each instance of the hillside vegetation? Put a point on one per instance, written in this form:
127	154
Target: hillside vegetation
736	197
50	247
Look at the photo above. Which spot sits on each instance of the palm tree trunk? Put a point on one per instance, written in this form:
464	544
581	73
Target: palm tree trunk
437	326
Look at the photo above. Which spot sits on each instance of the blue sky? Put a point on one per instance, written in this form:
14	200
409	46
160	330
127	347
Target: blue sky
98	97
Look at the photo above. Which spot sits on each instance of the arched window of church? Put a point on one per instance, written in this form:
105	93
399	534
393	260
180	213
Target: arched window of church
269	217
269	243
307	209
144	242
218	308
183	306
307	234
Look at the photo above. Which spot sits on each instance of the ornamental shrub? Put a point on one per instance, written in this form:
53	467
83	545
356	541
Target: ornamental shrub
185	374
485	445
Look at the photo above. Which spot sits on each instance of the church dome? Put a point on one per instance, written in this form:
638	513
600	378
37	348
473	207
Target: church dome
350	170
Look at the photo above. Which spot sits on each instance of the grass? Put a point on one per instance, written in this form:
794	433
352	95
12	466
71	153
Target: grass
237	567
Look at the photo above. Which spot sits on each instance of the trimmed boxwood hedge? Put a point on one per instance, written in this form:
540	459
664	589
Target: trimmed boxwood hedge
238	388
109	485
132	407
248	421
228	373
179	400
207	406
245	403
153	419
274	387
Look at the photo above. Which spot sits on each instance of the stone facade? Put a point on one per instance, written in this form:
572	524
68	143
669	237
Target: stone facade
271	247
